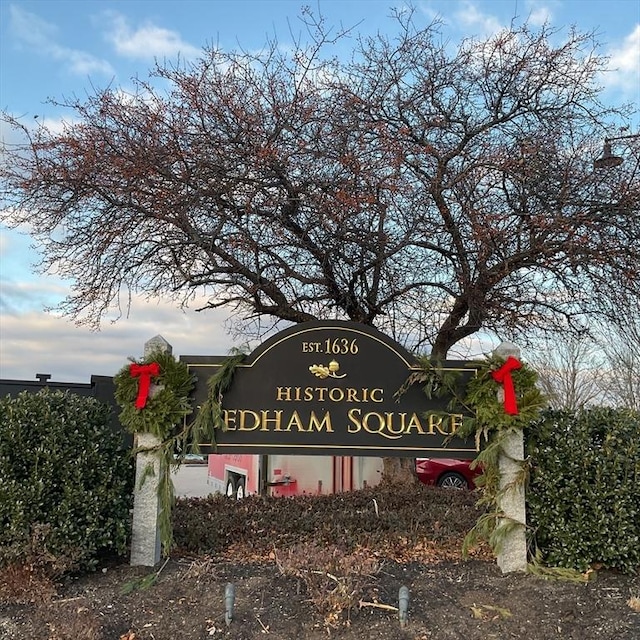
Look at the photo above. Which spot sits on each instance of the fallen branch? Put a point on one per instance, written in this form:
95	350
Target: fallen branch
67	599
264	629
377	605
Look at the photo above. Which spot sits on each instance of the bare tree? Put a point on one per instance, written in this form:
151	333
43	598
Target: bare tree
431	189
599	367
572	371
620	343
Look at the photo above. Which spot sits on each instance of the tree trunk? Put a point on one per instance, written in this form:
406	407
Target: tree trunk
403	470
399	471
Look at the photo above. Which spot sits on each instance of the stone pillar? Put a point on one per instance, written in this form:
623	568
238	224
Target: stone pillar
145	534
512	555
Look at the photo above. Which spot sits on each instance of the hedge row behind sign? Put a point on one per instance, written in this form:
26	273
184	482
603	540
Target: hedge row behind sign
331	388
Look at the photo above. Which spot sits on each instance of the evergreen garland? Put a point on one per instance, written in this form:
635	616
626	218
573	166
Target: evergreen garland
493	425
163	416
166	406
489	424
209	417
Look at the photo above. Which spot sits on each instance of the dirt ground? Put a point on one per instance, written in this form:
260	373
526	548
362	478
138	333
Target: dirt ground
285	596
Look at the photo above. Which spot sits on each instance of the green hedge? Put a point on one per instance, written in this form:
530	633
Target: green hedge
584	496
65	482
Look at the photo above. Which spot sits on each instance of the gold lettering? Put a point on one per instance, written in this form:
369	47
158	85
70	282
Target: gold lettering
457	420
244	413
435	424
265	420
388	425
336	394
229	417
283	394
354	417
378	417
382	424
414	423
390	421
314	423
294	421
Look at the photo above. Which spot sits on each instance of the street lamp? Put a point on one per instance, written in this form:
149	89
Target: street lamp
608	160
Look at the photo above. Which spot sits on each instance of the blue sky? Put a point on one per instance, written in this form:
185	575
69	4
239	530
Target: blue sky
56	48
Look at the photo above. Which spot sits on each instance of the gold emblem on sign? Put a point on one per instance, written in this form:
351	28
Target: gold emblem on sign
330	371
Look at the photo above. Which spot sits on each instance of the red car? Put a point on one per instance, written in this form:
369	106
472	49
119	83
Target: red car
447	472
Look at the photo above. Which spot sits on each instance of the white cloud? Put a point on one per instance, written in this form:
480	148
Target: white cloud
147	41
9	136
624	66
38	342
4	242
34	341
27	295
82	63
15	251
31	29
471	19
40	36
539	16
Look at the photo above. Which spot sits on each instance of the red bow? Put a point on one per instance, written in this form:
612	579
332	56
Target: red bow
145	372
503	375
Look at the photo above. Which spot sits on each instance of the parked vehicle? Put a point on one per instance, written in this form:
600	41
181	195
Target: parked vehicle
194	458
447	472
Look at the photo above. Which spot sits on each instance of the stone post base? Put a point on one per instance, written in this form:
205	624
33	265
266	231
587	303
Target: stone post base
513	552
145	535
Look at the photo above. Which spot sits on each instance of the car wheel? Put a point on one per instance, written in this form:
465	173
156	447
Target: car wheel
452	481
231	488
240	489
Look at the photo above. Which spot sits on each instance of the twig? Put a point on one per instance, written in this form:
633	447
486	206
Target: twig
264	629
162	567
68	599
377	605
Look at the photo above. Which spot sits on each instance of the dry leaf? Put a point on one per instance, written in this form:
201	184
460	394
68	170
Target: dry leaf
489	612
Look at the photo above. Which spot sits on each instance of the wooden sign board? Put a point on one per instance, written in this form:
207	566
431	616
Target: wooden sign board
330	388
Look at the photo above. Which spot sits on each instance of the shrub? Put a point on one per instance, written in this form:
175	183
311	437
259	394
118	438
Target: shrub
375	517
65	482
335	580
583	499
